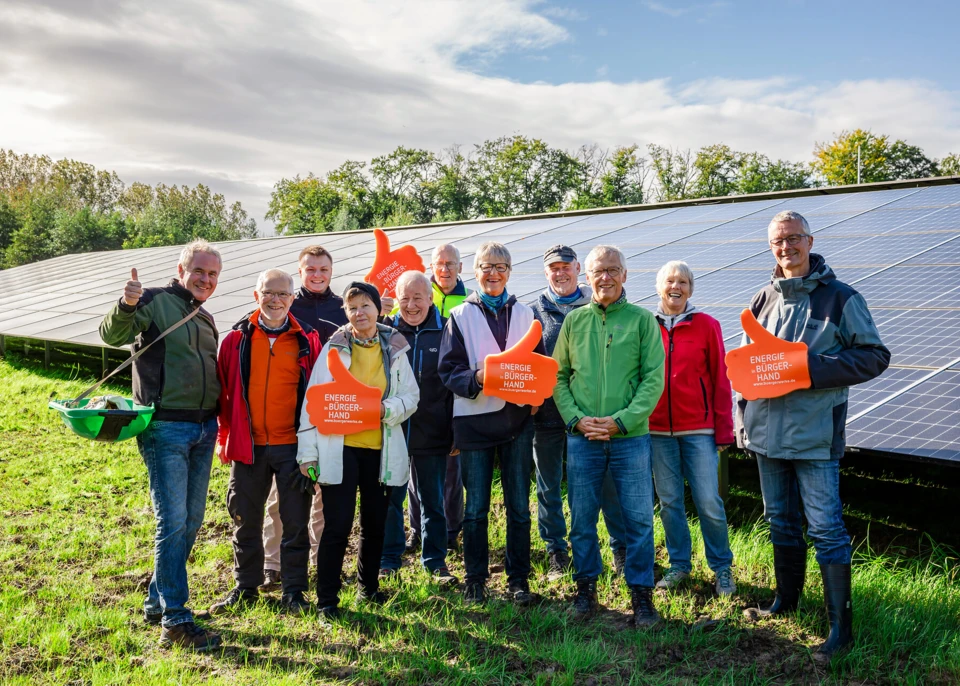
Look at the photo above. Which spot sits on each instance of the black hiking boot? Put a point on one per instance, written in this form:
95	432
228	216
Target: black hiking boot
619	561
645	615
790	569
558	563
585	602
836	593
475	593
294	603
236	599
519	591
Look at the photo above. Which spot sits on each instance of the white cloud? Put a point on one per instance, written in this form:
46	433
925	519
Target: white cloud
238	95
564	13
700	10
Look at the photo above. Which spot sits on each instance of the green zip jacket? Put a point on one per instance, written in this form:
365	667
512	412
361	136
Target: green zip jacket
611	365
179	374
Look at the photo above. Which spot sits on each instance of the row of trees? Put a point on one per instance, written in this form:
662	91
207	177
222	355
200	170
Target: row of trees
52	208
519	175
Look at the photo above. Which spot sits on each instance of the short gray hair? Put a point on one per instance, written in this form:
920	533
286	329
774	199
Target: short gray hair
601	250
440	248
271	273
192	248
491	251
790	216
674	267
410	278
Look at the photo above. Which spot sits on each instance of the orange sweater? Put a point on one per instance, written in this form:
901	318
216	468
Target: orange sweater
272	389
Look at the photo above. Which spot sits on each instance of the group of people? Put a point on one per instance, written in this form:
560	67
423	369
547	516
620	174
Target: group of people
642	404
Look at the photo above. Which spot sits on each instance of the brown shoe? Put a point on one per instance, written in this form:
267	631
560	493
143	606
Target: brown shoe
189	635
271	580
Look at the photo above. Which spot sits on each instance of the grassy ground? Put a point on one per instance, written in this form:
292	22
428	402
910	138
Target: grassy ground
76	554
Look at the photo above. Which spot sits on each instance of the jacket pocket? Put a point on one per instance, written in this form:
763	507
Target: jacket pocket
808	421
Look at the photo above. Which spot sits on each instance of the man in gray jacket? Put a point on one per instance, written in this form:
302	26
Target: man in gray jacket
798	438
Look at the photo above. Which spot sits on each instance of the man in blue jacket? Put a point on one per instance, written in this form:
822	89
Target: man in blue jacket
798	438
562	296
429	432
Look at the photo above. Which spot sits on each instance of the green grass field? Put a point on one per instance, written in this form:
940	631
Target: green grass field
76	555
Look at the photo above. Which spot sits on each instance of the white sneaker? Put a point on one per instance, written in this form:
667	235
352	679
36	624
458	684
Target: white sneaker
672	579
725	585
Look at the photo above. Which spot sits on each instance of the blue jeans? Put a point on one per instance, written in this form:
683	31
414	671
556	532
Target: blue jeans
627	460
549	453
431	472
452	498
516	464
786	484
695	459
178	456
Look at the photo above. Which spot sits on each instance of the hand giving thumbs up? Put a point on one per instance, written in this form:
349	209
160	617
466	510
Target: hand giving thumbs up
389	264
519	375
132	290
768	367
342	406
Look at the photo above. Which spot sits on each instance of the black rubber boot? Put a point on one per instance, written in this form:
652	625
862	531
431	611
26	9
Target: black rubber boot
790	568
836	593
585	602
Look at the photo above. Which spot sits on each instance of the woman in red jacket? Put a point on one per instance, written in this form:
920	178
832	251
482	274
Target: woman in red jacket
692	421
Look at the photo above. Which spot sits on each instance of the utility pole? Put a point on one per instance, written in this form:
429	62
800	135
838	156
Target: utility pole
858	164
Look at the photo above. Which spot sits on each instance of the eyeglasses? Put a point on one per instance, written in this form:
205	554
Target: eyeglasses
612	272
449	266
270	295
792	239
501	268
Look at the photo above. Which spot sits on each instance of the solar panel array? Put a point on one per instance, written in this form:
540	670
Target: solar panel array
899	247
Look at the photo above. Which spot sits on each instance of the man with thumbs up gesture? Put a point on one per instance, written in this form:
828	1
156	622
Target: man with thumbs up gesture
797	434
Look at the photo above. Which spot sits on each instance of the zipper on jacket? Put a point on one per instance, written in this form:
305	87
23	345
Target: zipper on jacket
246	400
669	381
203	367
601	388
266	388
706	407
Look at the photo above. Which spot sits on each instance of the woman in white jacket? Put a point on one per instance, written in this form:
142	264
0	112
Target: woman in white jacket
373	461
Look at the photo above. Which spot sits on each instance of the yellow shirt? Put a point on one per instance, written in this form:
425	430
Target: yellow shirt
366	365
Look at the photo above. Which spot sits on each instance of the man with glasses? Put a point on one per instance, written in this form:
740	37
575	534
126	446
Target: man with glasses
263	367
798	439
609	382
448	291
562	296
315	305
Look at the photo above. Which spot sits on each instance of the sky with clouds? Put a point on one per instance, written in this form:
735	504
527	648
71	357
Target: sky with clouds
238	94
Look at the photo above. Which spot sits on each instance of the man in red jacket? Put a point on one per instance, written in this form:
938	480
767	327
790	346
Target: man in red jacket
263	365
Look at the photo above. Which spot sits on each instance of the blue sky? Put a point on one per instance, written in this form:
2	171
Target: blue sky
239	94
684	41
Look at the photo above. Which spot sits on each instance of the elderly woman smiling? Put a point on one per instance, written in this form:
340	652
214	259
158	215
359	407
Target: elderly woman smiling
693	418
376	355
488	322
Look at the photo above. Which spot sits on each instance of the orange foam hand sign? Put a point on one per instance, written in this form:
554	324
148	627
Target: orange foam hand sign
768	367
519	375
389	264
343	406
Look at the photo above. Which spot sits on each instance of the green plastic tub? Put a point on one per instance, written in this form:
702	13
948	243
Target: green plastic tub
110	426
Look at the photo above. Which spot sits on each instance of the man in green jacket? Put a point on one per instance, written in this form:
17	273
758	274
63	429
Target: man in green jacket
178	376
609	382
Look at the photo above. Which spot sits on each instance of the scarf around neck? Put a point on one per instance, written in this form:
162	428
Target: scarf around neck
493	302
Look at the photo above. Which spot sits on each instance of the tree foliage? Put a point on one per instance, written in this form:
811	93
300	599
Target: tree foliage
835	162
50	208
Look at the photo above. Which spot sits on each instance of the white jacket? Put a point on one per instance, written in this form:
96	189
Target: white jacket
400	402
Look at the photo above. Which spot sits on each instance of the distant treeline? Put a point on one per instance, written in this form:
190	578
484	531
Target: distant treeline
53	208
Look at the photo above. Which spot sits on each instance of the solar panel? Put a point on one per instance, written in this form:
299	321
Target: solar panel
923	422
899	247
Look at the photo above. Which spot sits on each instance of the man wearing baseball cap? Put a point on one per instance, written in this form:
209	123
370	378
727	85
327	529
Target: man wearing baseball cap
562	295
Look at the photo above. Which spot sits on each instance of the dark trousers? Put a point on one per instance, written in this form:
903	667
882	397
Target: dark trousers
246	497
361	468
516	465
452	497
